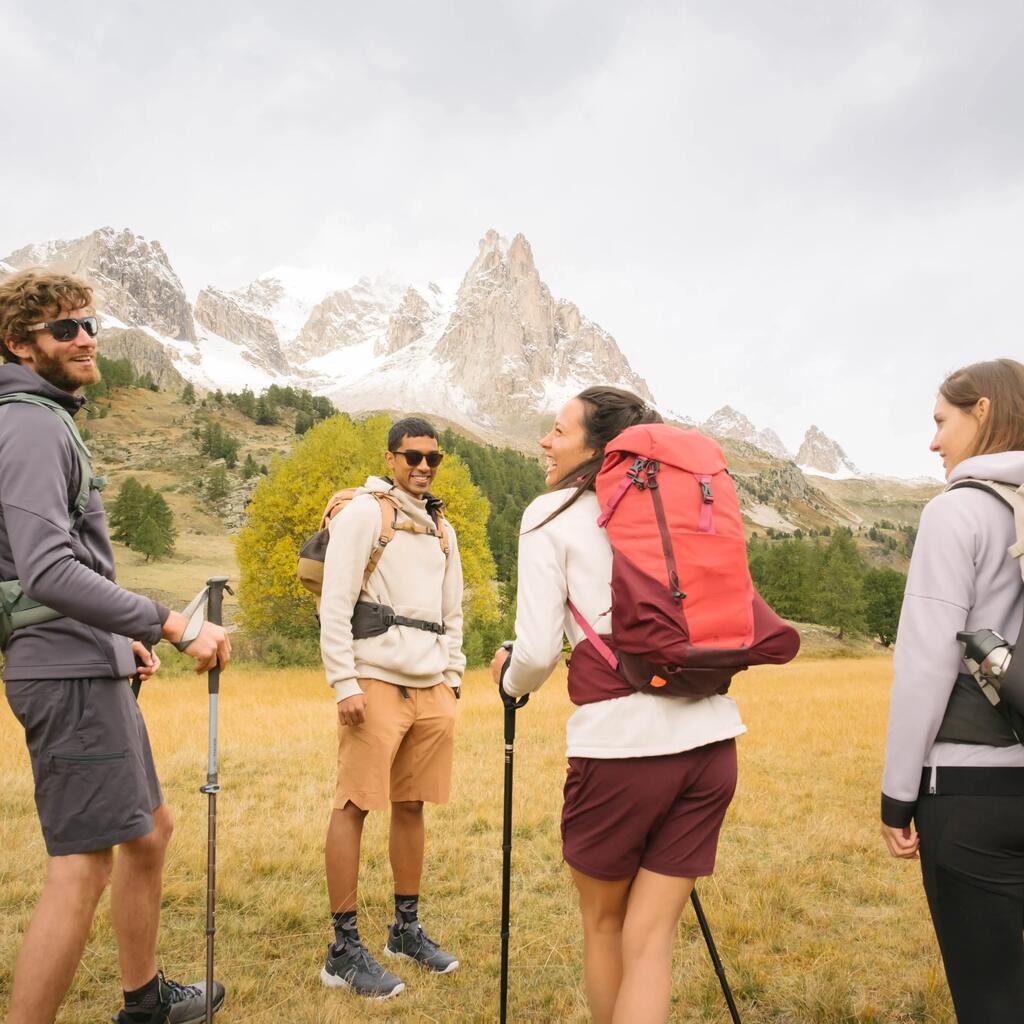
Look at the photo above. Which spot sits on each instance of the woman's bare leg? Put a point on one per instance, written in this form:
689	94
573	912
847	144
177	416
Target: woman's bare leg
603	908
655	904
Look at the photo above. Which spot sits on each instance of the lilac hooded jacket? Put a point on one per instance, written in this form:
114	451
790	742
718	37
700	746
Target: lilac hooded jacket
961	577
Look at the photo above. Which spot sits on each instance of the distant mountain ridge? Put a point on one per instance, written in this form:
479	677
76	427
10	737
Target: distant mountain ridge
498	356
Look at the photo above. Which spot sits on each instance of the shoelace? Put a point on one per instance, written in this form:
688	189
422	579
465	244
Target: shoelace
362	958
425	941
179	993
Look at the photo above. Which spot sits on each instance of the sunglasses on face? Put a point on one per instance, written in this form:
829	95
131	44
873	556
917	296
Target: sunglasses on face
414	458
67	329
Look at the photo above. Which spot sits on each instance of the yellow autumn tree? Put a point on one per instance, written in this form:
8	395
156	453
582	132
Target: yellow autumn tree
286	507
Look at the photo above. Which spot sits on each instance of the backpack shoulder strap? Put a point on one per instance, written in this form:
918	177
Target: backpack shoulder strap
388	525
86	481
1011	496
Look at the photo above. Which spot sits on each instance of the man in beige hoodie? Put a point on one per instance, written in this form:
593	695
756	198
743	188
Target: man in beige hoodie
392	650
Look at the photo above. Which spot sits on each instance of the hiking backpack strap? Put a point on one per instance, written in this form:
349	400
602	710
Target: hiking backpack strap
17	609
87	482
388	526
1013	498
591	634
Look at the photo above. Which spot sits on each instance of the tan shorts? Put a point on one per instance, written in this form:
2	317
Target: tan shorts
401	751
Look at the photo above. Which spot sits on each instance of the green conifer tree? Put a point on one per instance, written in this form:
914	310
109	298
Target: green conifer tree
127	511
217	484
840	592
883	599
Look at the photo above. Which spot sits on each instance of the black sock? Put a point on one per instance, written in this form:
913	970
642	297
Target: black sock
345	930
142	1003
407	910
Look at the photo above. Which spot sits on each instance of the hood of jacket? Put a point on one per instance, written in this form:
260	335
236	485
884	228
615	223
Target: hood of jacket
423	510
1006	467
17	377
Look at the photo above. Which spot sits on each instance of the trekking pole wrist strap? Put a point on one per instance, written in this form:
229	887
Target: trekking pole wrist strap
195	612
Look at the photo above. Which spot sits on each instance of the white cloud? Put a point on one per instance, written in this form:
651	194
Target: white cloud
808	211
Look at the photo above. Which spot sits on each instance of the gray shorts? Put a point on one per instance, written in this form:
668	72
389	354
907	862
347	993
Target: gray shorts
96	783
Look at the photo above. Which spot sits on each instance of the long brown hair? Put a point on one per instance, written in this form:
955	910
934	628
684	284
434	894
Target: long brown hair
1001	381
607	412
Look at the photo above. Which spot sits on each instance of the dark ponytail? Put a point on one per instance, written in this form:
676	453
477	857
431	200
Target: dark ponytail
607	412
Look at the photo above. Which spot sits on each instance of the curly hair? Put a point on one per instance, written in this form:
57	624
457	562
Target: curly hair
1001	381
33	295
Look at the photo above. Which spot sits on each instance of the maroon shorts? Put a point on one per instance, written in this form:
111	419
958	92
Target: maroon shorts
660	813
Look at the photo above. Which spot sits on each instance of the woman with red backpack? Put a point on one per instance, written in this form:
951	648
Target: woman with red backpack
954	759
650	776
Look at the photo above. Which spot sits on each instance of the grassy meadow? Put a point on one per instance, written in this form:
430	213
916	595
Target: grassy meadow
814	921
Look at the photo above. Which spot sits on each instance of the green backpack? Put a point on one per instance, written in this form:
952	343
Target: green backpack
17	609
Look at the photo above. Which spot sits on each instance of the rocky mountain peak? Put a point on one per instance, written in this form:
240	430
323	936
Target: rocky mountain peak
728	422
415	316
347	317
133	277
510	344
820	454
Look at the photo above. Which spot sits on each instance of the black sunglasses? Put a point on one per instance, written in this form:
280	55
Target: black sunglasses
67	329
414	458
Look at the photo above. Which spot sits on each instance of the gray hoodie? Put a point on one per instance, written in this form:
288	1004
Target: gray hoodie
961	577
73	573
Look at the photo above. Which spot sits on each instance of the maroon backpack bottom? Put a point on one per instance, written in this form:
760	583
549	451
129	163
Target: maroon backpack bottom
601	669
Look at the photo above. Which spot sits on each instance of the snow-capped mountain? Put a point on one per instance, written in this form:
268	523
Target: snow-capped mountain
495	356
727	422
819	455
133	277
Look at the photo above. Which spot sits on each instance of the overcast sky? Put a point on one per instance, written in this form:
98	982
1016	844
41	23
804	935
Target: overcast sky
811	211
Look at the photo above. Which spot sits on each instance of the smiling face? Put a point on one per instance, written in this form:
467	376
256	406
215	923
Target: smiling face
565	444
68	365
955	430
414	480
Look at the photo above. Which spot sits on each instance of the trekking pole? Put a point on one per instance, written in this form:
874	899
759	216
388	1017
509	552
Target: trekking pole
216	585
511	706
715	958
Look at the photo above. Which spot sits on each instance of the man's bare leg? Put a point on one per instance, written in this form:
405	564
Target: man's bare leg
344	836
135	899
405	846
57	935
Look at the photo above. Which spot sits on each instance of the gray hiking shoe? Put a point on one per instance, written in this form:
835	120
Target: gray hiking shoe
173	1003
353	968
413	943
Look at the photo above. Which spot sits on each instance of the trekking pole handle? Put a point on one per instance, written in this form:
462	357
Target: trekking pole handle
215	587
511	703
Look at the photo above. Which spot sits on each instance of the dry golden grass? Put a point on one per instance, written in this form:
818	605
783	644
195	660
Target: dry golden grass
815	923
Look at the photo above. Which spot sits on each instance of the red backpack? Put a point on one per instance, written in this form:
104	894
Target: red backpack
685	615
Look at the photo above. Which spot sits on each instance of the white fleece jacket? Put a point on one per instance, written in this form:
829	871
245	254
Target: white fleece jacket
961	578
571	556
413	577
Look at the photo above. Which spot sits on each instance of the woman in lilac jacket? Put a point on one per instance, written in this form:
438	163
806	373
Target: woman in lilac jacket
954	766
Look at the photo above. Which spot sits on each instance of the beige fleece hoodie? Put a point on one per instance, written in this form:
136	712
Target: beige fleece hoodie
413	577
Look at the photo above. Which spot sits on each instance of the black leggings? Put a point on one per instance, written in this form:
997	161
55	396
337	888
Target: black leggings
972	860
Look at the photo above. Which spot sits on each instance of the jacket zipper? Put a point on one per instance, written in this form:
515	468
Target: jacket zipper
88	758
